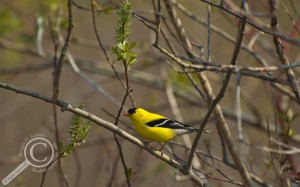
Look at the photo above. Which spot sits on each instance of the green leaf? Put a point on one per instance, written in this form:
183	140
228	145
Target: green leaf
129	63
131	54
126	46
121	46
124	55
131	45
69	149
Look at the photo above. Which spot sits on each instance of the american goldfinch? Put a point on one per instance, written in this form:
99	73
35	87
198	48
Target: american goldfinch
154	127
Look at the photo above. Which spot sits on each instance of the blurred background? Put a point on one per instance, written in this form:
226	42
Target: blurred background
26	51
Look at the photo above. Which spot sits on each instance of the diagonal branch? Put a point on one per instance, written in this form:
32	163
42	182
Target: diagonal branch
280	51
217	100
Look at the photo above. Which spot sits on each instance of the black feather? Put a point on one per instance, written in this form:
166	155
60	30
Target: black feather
170	123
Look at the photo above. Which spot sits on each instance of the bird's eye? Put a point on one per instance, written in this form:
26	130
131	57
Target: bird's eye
131	111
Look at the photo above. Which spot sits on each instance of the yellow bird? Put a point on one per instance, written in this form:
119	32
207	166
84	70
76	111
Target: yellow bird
154	127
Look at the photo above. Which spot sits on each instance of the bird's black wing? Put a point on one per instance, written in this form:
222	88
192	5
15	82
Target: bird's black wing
169	123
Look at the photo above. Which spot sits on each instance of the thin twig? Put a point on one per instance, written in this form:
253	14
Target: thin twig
126	171
208	34
258	25
179	28
281	52
294	7
113	172
78	169
47	168
217	169
157	18
56	83
290	16
239	115
255	178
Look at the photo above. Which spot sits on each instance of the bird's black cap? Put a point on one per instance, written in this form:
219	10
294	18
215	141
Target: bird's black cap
131	111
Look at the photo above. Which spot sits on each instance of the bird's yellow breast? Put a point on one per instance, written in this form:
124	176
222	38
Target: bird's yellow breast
159	134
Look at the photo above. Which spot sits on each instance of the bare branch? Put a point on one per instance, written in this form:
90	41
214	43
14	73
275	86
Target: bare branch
254	22
280	50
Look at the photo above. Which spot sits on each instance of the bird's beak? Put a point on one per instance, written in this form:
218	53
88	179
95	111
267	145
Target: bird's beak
126	114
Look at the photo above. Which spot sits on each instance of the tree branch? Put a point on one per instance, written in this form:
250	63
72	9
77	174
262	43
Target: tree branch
280	51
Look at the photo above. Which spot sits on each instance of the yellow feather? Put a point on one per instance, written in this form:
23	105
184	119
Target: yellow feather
165	130
139	120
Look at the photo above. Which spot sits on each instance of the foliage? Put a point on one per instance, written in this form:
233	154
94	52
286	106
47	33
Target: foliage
103	7
123	29
8	21
78	132
123	48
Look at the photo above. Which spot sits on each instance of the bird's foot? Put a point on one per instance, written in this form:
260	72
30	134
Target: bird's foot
161	153
147	144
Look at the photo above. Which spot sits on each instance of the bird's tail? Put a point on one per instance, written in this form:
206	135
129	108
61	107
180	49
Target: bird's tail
204	131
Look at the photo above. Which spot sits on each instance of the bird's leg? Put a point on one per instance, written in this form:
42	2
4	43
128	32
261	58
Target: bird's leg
161	153
146	143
